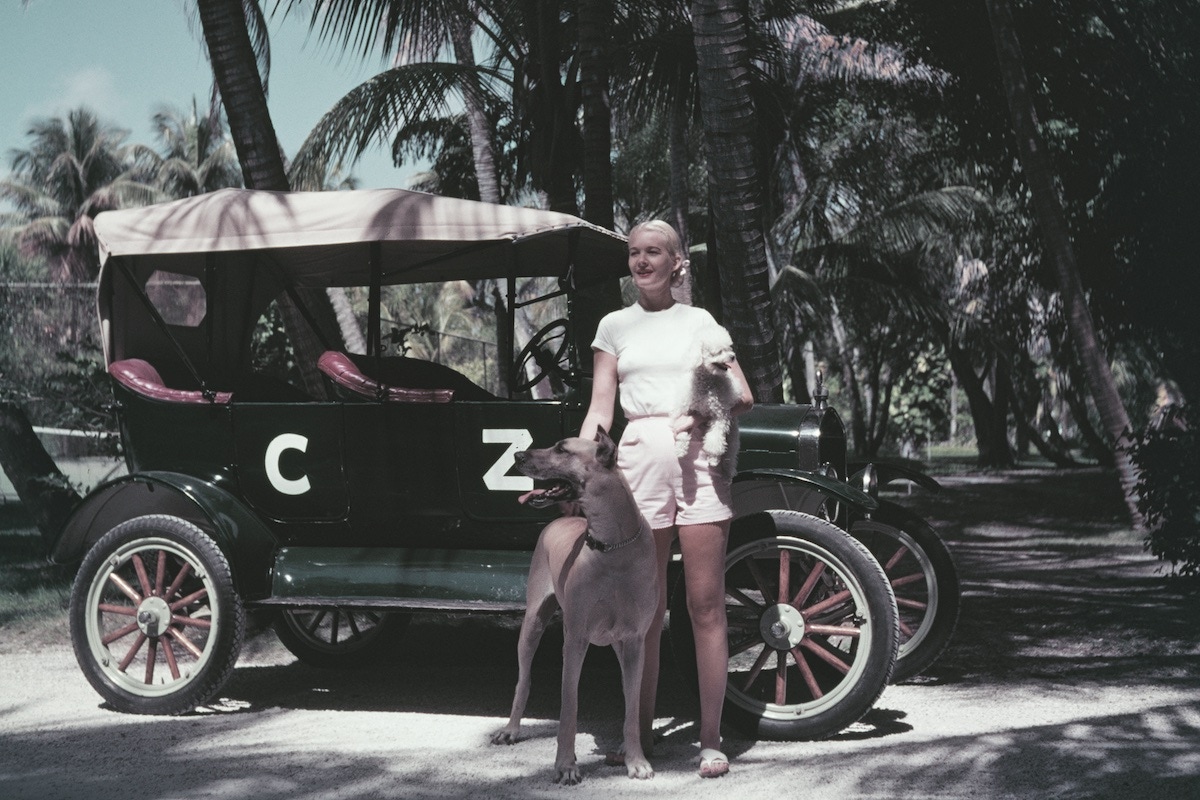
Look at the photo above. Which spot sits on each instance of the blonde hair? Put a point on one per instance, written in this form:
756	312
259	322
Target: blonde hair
674	244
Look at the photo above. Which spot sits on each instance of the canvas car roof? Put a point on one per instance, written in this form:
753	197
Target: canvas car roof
324	238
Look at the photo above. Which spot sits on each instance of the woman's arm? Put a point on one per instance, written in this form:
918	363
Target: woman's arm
746	401
604	395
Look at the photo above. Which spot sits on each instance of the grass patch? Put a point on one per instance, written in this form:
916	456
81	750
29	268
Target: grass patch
33	592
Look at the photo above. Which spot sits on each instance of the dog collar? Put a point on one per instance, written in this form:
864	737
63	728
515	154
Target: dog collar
595	544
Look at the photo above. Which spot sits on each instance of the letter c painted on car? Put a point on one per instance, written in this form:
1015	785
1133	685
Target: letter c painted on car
286	441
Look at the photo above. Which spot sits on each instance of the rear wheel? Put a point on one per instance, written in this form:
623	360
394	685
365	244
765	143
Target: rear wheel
924	580
338	638
812	628
155	622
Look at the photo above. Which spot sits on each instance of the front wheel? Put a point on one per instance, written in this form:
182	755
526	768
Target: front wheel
812	628
337	638
155	621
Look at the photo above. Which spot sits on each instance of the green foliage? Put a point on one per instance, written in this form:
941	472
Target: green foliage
920	411
1168	457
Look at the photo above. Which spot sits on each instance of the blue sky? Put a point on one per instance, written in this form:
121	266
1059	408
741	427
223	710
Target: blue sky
125	58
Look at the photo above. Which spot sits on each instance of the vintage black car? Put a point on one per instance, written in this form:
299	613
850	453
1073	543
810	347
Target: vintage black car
342	508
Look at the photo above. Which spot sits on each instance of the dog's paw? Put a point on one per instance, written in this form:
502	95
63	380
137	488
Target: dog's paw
639	769
507	735
568	775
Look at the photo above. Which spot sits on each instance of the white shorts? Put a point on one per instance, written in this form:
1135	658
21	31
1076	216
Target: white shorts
670	490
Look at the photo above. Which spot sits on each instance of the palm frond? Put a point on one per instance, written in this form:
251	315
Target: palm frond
375	109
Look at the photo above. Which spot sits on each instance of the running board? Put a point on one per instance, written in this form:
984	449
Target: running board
399	577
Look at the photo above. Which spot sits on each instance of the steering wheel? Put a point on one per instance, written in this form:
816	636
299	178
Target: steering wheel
546	349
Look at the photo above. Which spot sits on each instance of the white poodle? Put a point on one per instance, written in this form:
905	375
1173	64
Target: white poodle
713	392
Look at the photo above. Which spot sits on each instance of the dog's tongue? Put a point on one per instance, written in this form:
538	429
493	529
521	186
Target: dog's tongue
523	499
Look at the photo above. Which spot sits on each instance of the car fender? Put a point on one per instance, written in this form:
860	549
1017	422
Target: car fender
798	490
247	543
887	472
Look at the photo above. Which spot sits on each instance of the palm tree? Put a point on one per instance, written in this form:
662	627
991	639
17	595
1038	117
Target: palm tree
236	72
736	189
1052	223
196	155
74	168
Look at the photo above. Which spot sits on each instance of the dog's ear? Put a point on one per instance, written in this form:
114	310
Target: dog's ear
606	450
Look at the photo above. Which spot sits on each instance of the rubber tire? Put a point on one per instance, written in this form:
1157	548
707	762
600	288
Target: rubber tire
842	703
933	634
365	648
201	678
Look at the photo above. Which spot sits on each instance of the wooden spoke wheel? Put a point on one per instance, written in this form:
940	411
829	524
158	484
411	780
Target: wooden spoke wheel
812	627
155	621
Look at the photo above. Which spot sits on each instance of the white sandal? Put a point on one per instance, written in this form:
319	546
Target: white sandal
713	763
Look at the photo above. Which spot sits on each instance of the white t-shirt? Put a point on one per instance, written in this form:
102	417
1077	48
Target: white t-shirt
656	352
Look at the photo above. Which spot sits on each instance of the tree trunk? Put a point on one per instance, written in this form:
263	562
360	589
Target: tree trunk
992	444
41	486
595	22
236	74
482	151
1035	164
736	190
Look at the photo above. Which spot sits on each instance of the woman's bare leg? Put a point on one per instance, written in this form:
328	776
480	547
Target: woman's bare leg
703	548
663	537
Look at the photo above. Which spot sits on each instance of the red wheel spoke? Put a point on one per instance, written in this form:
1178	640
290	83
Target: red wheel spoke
187	643
194	622
917	605
160	573
907	579
757	668
184	571
191	598
335	620
741	597
809	584
119	633
143	577
833	630
829	602
781	677
128	659
895	559
826	656
151	657
169	652
109	608
355	633
125	588
806	672
785	574
760	580
906	631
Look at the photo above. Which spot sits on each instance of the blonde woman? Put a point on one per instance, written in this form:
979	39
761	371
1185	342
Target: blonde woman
646	351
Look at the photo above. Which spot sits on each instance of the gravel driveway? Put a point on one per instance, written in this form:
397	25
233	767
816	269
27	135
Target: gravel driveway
1075	672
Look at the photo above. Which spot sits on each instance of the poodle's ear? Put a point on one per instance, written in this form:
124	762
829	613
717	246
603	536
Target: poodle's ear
606	450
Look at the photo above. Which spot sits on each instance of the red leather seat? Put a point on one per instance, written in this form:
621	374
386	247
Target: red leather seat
342	371
144	379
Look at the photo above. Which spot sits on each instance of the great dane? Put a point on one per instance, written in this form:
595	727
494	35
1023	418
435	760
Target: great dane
600	569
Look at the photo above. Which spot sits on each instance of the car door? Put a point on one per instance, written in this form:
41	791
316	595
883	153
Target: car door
487	436
290	459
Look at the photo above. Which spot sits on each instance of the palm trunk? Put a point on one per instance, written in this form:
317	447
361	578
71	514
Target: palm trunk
1052	221
482	152
595	18
236	74
253	134
721	32
42	488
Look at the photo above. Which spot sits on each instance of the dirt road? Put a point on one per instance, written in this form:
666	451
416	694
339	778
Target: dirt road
1075	673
